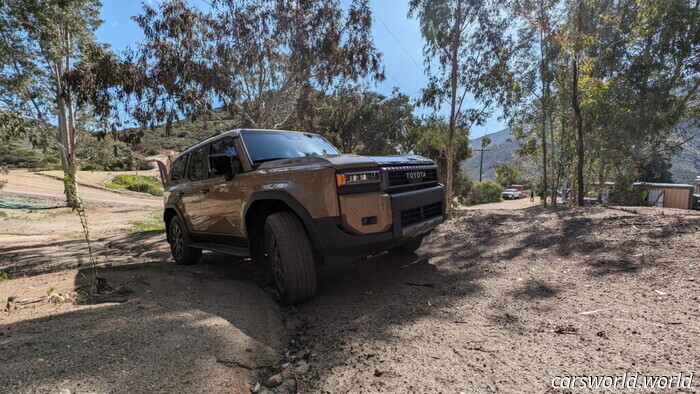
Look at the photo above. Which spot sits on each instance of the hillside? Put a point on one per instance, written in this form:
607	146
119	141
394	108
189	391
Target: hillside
501	150
686	164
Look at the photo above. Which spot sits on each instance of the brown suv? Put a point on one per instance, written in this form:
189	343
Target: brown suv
292	199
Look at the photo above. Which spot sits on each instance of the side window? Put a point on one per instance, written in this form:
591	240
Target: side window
196	171
179	168
223	146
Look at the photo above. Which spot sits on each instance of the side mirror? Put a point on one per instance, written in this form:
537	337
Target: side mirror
223	164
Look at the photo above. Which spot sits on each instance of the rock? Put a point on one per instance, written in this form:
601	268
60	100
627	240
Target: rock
256	388
57	298
302	367
277	379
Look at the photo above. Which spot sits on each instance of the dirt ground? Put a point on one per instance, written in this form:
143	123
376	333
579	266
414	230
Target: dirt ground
496	300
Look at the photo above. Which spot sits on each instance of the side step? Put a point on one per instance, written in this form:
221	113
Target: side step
221	248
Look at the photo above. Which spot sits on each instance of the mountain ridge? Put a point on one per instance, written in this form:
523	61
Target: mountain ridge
685	164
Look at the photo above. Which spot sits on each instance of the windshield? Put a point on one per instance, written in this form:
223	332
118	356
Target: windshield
271	145
509	190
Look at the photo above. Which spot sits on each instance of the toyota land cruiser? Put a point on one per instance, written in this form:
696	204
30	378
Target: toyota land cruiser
290	199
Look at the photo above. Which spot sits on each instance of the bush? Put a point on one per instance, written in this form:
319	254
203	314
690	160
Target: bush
144	184
487	191
462	185
14	155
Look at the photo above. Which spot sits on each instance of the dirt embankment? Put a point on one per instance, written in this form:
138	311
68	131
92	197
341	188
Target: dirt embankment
495	300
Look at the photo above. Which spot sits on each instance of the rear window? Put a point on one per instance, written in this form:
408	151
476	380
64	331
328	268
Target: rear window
179	168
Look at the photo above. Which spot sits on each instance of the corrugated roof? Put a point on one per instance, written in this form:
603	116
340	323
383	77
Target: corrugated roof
664	185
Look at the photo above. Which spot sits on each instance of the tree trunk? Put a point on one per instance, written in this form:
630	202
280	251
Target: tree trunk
545	102
66	129
555	171
453	107
579	135
449	176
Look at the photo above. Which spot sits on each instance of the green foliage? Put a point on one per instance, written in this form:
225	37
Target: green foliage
3	276
656	169
487	191
140	183
463	185
467	55
255	56
14	155
624	194
508	174
105	153
607	83
155	223
429	138
357	120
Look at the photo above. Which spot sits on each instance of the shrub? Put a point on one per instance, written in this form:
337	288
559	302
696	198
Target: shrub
144	184
487	191
462	185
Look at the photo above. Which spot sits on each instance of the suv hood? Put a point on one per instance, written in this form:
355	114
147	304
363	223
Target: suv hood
349	161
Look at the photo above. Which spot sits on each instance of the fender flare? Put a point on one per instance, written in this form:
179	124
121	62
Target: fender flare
178	213
297	208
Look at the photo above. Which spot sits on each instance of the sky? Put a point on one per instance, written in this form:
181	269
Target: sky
395	35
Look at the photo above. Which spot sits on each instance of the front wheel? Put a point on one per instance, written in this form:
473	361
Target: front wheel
180	242
290	257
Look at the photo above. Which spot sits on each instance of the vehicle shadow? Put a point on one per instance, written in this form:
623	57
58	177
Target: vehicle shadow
188	317
169	328
36	257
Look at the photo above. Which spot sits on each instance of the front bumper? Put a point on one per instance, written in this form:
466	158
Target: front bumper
339	247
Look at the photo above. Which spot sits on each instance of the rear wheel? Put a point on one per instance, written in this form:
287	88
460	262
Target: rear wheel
180	242
290	257
409	247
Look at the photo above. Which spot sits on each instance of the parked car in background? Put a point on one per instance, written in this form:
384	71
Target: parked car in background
511	194
519	188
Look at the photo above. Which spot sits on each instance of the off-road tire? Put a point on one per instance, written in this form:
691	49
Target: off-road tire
291	259
409	247
180	242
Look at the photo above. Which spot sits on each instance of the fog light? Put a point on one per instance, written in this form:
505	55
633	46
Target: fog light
366	221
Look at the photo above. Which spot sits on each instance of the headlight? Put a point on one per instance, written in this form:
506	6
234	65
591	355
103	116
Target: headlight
357	178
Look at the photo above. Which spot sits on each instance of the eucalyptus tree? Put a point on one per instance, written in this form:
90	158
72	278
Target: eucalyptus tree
632	67
252	57
40	42
467	50
537	22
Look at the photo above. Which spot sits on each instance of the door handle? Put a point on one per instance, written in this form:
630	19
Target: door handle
205	190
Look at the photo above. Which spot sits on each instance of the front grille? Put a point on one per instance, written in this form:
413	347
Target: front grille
412	216
411	177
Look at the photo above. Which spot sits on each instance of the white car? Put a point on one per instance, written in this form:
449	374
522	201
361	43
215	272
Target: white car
511	194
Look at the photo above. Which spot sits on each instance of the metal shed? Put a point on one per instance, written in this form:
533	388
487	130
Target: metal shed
668	195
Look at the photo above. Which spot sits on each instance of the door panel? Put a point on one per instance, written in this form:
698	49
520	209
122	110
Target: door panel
192	194
222	206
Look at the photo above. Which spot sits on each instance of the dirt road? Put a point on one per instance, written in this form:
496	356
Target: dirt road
21	183
520	203
483	306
